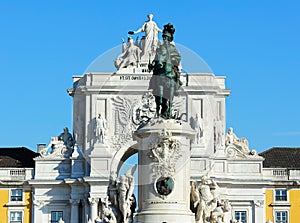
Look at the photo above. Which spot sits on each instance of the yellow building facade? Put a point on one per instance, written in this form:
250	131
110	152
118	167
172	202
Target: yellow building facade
281	207
15	204
16	168
282	194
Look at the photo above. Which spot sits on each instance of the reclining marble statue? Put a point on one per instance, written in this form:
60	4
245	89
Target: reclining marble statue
61	146
238	147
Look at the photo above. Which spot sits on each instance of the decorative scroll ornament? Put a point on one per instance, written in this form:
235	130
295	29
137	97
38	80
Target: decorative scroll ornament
235	152
165	151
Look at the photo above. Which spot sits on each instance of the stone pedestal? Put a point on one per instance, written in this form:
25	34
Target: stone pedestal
77	163
164	172
198	150
52	168
100	159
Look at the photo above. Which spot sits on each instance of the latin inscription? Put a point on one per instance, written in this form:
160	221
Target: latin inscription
134	78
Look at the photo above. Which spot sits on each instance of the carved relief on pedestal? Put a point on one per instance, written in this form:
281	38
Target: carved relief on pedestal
164	151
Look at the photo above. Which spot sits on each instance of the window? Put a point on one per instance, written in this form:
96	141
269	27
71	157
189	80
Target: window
241	216
15	217
56	216
280	195
281	217
16	195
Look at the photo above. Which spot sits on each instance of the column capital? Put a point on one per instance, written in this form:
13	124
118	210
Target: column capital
259	203
74	201
93	200
39	203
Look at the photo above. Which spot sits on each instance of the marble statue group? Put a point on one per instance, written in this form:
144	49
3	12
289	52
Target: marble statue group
136	51
61	146
120	205
237	147
206	203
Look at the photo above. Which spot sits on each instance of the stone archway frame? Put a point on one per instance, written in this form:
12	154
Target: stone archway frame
129	149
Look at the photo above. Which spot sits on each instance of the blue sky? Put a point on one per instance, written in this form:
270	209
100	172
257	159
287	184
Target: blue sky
254	43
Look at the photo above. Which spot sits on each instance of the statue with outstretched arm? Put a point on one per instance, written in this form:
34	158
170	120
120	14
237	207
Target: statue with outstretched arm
151	31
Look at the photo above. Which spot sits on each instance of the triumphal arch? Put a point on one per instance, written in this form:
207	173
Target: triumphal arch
162	102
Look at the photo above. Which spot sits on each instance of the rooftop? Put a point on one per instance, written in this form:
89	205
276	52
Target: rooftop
278	157
17	157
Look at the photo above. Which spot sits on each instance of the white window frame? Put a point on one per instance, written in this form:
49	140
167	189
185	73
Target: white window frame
11	194
281	189
287	215
56	211
279	209
246	211
15	210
